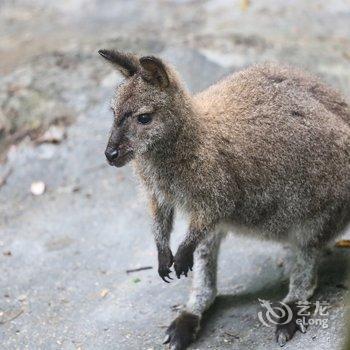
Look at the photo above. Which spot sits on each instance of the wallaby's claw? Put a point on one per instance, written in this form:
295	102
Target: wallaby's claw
182	331
183	261
166	339
281	339
286	331
165	260
164	279
164	274
180	269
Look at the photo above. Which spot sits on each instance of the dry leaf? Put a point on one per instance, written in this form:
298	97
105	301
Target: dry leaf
344	243
55	134
244	5
4	177
37	188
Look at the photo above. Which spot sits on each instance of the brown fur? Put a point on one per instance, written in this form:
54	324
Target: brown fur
266	148
266	151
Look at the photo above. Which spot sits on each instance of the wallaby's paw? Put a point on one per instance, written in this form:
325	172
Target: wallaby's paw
183	261
165	260
182	331
286	331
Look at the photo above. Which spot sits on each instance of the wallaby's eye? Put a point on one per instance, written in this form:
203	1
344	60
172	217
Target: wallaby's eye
144	119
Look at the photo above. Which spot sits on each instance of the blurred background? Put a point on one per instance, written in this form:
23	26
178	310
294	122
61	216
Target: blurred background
71	227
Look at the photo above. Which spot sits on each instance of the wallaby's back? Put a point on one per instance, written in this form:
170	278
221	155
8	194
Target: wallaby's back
262	84
279	143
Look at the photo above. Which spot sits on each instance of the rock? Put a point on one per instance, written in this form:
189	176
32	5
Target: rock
104	293
22	297
37	188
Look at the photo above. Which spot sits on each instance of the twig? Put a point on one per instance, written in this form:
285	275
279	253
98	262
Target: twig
139	269
344	243
235	336
19	313
4	177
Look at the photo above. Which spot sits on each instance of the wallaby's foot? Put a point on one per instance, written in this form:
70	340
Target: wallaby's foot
285	331
165	260
182	331
183	261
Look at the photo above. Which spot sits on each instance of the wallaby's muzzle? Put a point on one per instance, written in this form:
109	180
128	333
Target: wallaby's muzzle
118	153
119	156
111	154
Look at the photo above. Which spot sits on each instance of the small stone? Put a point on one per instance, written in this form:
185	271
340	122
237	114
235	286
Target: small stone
280	262
104	293
22	297
37	188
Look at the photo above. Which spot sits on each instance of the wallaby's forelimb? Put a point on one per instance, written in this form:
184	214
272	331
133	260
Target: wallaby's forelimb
163	215
183	260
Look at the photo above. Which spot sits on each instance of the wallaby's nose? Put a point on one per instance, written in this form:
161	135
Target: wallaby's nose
111	154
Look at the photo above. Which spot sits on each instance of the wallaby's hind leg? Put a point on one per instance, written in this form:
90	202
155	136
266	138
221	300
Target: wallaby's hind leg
184	328
302	284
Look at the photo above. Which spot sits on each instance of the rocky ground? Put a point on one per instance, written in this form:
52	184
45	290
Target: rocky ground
64	254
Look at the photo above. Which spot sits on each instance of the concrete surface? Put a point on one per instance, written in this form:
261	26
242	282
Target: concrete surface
64	255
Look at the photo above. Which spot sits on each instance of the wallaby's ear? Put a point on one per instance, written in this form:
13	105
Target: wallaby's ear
126	63
154	71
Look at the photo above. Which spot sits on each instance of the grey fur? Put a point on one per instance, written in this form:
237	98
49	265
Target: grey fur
303	279
265	151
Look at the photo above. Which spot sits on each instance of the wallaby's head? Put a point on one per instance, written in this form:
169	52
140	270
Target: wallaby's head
147	106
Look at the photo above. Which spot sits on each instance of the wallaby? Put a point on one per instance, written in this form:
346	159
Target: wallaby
265	151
